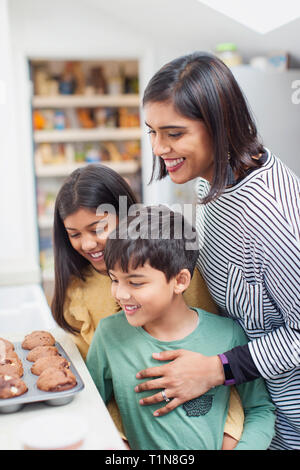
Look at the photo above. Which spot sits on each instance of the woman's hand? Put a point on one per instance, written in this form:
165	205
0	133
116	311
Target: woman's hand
187	376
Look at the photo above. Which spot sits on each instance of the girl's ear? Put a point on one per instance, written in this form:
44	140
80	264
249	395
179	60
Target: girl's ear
182	281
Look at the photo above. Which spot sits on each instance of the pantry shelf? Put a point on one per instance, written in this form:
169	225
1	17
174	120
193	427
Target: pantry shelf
90	101
45	221
48	275
83	111
46	171
87	135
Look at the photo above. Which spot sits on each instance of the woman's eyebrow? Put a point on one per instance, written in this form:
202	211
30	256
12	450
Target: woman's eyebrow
167	127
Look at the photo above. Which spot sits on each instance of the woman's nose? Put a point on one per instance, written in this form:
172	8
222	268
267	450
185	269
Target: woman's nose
160	147
88	243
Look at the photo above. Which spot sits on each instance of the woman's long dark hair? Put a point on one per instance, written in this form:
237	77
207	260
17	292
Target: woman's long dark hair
201	87
86	187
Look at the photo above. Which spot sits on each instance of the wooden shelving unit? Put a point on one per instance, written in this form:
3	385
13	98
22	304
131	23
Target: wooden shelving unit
52	170
87	135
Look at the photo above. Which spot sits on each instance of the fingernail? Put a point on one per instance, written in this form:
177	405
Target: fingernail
156	355
156	413
141	402
138	376
136	389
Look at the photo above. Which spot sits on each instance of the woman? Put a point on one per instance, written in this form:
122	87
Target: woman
88	206
249	231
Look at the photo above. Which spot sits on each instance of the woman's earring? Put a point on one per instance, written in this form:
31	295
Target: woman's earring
230	174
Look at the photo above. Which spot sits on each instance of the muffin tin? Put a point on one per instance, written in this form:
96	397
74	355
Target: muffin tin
33	394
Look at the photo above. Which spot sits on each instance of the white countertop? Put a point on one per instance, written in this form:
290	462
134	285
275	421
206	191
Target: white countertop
87	405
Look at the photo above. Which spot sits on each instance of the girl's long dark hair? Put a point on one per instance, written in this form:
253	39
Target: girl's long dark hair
202	87
86	187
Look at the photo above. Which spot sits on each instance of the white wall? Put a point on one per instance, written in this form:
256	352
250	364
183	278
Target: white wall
18	253
277	115
42	29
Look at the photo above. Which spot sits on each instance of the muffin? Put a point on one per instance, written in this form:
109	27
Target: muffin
7	345
56	380
41	351
38	338
43	363
11	365
11	387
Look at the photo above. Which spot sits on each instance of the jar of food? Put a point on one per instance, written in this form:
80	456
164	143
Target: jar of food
229	54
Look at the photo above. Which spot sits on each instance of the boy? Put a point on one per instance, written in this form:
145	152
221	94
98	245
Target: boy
150	259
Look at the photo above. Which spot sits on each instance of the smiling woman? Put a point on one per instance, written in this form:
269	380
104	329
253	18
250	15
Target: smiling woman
248	228
216	135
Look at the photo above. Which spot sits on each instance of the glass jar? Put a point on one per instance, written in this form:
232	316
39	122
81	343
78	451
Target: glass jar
229	54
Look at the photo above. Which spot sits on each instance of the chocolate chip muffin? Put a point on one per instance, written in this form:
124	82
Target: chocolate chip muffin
43	363
11	387
41	351
11	365
8	346
56	380
38	338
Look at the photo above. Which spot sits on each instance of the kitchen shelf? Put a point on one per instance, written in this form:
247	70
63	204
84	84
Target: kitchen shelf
45	221
86	101
48	275
48	171
87	135
58	151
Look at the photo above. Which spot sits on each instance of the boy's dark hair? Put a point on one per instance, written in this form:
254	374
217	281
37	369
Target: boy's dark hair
156	235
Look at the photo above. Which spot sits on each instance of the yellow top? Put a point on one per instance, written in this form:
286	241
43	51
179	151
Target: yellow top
86	303
90	300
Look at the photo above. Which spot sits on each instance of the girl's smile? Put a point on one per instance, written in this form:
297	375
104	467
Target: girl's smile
88	233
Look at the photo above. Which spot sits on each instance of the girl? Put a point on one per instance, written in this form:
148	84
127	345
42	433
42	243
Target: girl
249	231
82	287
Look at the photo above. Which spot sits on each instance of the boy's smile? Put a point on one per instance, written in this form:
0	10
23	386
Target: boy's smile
130	309
150	301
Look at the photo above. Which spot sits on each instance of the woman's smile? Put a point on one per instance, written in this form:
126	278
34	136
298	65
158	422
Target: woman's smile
173	164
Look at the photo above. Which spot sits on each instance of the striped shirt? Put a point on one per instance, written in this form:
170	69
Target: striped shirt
250	259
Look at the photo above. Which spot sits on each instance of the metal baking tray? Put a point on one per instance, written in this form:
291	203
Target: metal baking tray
33	394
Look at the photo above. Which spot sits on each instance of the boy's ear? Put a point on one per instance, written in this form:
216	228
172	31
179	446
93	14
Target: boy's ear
182	281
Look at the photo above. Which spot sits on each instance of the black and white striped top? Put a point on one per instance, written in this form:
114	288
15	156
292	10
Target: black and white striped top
250	259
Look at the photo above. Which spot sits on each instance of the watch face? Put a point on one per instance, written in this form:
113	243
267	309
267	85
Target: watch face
228	372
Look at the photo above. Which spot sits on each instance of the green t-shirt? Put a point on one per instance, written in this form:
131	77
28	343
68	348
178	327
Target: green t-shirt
119	350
